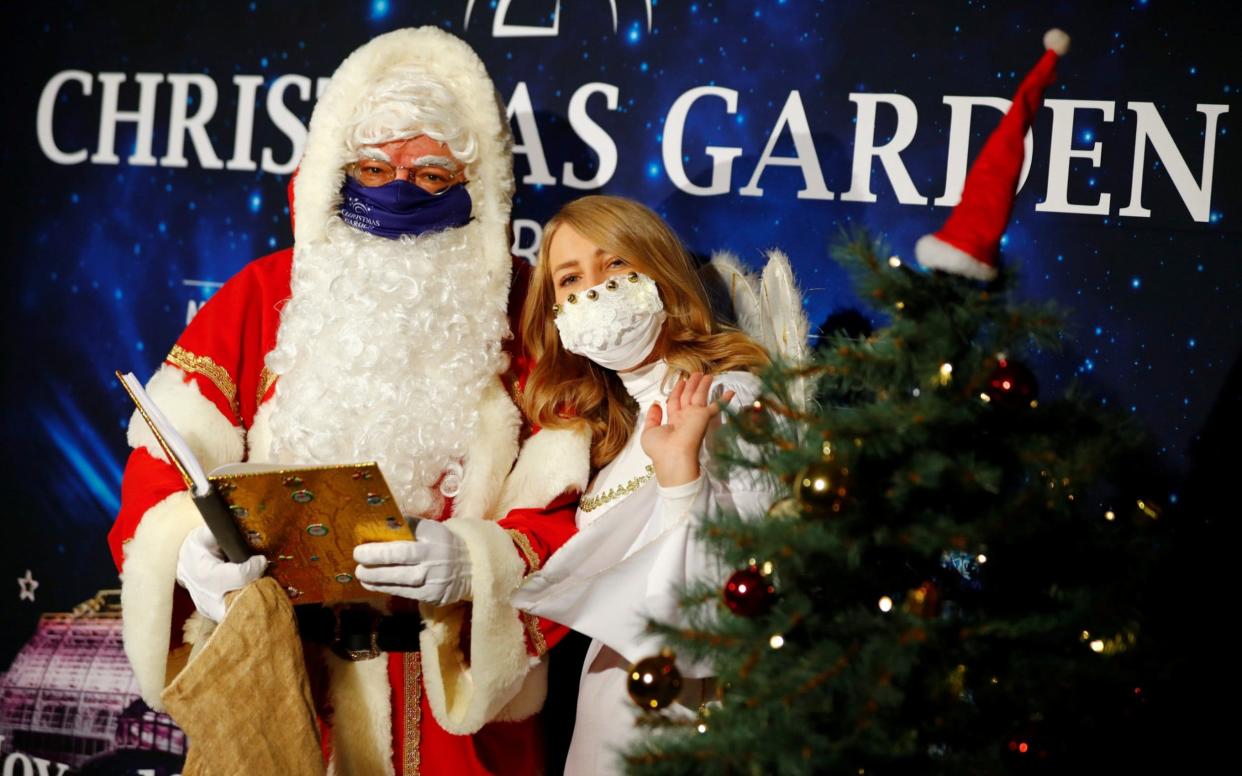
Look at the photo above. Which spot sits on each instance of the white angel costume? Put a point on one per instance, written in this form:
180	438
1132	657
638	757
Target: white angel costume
637	547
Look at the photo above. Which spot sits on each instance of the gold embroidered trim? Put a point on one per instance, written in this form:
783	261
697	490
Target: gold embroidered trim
528	552
536	635
513	385
515	390
592	503
266	378
412	758
191	363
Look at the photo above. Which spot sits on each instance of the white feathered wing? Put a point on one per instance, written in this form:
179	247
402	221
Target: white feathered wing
769	308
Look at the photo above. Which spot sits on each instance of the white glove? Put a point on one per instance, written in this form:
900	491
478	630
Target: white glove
203	571
434	568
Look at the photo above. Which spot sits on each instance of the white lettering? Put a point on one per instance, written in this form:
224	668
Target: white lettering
528	133
180	124
528	251
286	122
13	760
593	135
143	118
793	116
1149	126
674	130
46	113
1056	200
889	154
243	134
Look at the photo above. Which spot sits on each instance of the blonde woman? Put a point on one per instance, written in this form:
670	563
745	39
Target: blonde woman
626	348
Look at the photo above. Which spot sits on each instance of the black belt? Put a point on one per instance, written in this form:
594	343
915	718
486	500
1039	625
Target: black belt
357	631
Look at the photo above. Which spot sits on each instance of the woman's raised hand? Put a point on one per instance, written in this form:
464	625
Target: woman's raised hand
673	444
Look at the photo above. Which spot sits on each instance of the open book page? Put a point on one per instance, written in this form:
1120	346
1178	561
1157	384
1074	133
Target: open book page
174	445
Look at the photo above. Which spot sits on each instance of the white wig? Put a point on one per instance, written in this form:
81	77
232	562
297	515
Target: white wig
406	103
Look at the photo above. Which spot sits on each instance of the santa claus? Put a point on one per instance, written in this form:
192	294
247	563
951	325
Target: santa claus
380	335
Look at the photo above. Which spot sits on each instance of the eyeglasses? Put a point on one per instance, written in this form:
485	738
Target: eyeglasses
430	178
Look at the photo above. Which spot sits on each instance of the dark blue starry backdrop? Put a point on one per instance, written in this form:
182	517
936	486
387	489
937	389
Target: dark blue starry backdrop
112	238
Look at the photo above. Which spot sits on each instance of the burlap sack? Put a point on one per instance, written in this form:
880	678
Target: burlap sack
244	700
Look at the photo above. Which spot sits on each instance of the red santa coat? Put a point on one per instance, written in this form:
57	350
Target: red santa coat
480	666
215	384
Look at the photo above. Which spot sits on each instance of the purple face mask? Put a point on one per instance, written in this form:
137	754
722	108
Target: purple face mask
400	207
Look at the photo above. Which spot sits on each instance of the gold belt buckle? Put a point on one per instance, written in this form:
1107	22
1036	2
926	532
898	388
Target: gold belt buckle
356	655
365	654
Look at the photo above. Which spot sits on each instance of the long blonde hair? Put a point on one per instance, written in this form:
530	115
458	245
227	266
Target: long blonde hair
564	389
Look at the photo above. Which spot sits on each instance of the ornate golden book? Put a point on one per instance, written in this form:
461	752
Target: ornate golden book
305	519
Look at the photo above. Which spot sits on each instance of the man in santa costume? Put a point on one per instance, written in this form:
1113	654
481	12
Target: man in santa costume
380	335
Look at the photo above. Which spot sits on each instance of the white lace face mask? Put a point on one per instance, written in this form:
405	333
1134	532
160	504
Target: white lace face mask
615	324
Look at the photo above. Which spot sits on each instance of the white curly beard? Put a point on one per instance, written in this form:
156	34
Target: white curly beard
383	352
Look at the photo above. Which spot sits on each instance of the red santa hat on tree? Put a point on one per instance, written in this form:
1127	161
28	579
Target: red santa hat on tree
967	244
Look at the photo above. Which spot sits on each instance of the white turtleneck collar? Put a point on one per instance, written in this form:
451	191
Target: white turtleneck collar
645	385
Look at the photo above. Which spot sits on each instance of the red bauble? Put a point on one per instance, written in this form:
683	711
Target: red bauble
748	593
1012	385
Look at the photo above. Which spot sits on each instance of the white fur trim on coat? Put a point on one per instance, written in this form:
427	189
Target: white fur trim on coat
529	700
552	462
150	569
259	435
317	188
361	716
490	455
466	692
147	585
211	435
197	631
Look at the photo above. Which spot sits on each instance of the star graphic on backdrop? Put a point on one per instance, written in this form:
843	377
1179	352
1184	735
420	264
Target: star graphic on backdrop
28	585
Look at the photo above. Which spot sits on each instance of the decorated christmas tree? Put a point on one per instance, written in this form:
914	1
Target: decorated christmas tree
959	579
